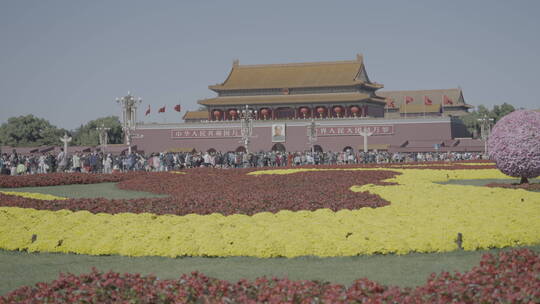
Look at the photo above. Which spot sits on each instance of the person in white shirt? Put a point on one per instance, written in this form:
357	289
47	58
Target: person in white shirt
62	160
76	160
107	164
42	166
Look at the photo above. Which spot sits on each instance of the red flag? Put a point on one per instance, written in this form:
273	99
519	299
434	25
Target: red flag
147	111
447	101
427	101
408	99
178	108
161	110
390	103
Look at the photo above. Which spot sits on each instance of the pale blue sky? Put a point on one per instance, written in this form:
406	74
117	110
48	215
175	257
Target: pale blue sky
67	61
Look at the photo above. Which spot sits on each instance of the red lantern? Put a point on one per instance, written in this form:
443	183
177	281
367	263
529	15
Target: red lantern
217	114
304	111
264	112
355	110
337	110
320	110
232	112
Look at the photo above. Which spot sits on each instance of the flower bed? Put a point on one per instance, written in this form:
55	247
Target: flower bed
510	277
207	191
423	217
57	179
30	195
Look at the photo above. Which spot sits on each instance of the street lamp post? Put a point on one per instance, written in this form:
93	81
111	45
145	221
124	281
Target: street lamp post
366	133
129	116
485	130
103	136
246	117
65	139
312	135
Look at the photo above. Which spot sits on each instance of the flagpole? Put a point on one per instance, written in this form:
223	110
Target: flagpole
442	106
164	118
405	106
425	100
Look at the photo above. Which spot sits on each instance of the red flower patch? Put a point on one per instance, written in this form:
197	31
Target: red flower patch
510	277
205	191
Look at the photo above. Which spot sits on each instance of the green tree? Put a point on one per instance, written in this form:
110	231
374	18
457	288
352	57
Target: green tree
502	110
88	135
471	120
471	123
29	131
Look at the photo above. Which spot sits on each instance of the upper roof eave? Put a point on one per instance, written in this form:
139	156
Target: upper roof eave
220	87
289	99
296	75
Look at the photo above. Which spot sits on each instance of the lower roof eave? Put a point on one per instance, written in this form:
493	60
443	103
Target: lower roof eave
304	103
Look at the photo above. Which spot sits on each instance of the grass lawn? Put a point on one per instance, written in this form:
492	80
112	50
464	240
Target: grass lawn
483	182
20	268
107	190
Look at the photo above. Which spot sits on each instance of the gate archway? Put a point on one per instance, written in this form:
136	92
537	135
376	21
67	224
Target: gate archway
348	148
279	147
240	149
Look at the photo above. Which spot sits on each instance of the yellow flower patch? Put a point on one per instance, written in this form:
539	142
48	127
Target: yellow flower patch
423	217
39	196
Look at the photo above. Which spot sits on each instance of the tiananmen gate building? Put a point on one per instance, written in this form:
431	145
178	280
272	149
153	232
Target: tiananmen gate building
338	96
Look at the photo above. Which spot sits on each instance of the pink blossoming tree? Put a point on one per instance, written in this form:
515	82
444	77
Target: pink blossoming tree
514	144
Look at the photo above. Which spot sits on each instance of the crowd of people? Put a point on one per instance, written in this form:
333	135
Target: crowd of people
96	162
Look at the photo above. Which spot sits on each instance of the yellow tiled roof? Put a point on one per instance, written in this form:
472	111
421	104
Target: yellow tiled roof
420	108
436	96
295	75
196	115
288	99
